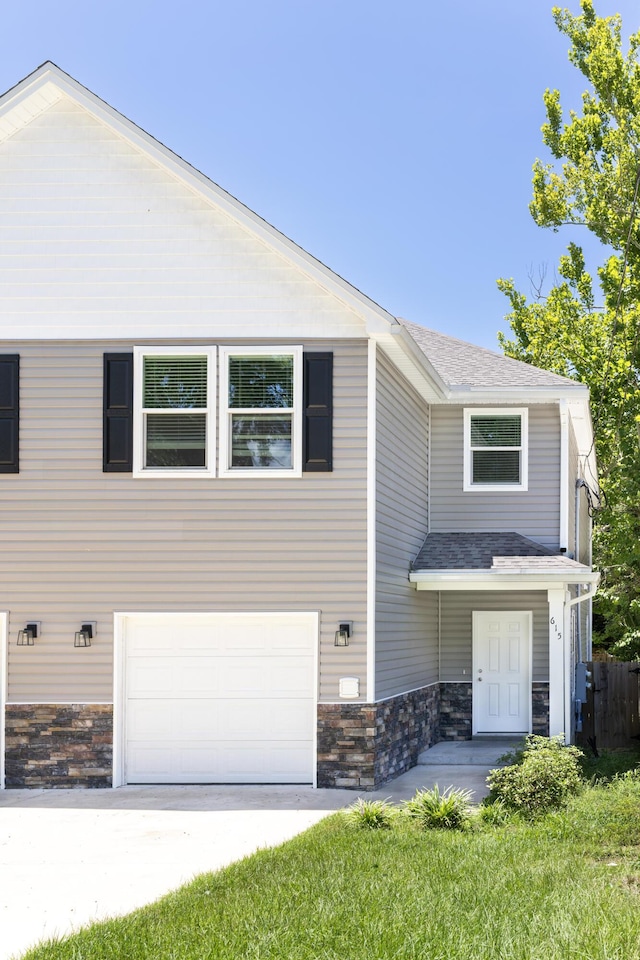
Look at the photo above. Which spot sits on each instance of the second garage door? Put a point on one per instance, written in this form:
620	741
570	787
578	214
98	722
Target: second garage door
220	698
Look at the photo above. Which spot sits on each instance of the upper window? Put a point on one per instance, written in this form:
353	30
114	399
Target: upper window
174	391
495	448
260	417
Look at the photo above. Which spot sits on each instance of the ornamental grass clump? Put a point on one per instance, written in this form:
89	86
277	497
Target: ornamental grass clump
370	814
449	810
545	775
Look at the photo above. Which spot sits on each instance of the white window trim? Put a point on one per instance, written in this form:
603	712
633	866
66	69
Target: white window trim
296	417
139	470
523	413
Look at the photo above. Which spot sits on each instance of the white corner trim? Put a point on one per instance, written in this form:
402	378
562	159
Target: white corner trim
117	777
563	533
372	375
4	650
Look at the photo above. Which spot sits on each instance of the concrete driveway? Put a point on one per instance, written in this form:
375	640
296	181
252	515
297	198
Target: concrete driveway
70	857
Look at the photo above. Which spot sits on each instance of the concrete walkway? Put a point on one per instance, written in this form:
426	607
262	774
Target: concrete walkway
70	857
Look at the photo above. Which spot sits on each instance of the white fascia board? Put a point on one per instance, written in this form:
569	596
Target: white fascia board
49	76
524	394
492	580
414	366
580	413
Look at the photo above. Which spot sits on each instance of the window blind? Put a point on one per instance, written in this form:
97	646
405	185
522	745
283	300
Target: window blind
496	431
174	383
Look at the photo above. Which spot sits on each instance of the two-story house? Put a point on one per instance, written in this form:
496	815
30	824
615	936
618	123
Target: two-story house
254	528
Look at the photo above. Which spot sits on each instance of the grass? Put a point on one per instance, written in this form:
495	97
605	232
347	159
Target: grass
564	887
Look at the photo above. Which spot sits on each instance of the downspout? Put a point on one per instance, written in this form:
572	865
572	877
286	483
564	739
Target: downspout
579	484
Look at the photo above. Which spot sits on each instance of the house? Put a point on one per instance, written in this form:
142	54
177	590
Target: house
255	528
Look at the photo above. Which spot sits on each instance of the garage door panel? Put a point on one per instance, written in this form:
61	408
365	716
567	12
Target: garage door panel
150	763
284	762
269	678
168	677
152	678
220	698
221	719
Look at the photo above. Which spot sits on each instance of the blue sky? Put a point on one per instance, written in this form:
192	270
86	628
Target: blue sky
392	139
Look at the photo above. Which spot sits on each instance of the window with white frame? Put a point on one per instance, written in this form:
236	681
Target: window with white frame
496	448
260	411
174	404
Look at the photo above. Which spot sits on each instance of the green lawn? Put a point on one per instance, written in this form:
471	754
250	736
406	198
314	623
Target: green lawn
564	887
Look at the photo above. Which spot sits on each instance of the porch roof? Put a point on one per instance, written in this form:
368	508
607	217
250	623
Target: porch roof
497	560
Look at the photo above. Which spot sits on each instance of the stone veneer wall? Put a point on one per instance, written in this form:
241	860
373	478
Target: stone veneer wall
540	708
361	745
455	711
58	745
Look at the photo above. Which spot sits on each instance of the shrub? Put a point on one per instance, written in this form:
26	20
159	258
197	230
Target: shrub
494	813
449	810
545	775
370	814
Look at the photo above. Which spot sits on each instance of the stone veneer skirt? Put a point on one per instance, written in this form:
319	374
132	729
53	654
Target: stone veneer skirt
58	745
361	745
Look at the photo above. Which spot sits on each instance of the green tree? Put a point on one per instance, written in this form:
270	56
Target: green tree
590	329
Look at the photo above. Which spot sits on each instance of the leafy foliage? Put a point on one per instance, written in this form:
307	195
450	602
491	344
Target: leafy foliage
545	775
494	813
449	810
589	329
370	814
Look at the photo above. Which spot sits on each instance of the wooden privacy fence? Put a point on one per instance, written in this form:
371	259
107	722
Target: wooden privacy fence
610	717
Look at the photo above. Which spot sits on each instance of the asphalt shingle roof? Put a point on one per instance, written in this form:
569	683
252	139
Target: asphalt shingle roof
488	551
461	364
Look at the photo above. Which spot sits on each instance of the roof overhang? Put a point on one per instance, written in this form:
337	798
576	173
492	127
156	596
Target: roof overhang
523	579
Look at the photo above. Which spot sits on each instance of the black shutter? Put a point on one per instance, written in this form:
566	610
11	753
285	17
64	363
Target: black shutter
318	412
117	434
9	413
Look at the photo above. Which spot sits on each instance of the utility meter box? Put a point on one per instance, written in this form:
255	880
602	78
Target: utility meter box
584	681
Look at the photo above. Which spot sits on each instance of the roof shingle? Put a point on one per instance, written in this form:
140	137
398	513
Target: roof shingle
487	551
461	364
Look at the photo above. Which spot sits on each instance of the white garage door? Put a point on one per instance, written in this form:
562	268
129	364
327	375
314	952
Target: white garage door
220	698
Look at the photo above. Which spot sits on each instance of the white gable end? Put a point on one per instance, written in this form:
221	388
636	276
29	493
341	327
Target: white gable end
99	240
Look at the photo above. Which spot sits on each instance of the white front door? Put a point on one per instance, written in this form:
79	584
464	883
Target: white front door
501	672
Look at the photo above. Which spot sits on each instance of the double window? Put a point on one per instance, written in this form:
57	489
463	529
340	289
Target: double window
174	411
495	449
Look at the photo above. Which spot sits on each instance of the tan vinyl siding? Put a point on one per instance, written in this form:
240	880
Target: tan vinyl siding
78	544
534	513
99	241
456	626
406	620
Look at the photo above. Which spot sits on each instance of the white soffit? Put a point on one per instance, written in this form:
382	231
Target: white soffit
20	109
49	83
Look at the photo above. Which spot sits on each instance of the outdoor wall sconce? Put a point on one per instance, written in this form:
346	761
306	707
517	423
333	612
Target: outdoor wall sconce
29	634
85	634
343	633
